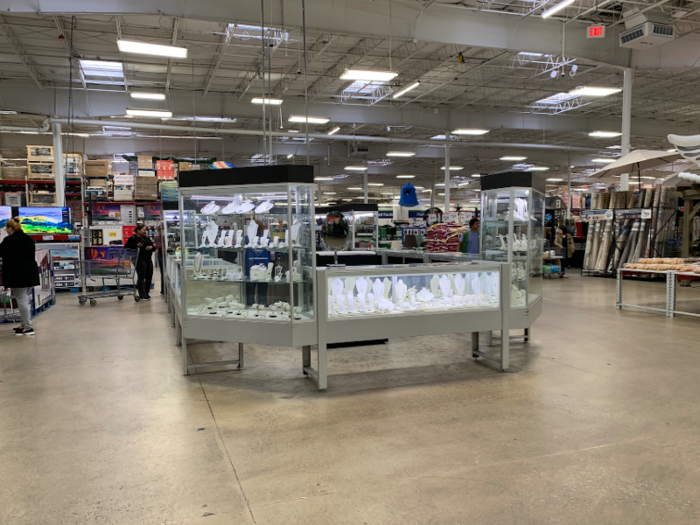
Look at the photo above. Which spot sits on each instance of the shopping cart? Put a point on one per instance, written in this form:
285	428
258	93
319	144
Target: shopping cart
111	276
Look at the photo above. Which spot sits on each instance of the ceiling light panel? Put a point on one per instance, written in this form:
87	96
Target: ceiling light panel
148	96
513	158
158	113
401	154
604	134
557	8
603	161
470	131
368	76
453	168
405	90
586	91
356	168
334	130
405	176
270	101
144	48
311	120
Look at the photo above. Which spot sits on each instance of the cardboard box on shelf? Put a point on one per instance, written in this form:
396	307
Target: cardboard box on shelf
147	173
145	162
40	198
14	172
184	166
98	168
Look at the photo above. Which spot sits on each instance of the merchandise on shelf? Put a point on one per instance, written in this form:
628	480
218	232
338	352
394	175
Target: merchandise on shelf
678	264
445	237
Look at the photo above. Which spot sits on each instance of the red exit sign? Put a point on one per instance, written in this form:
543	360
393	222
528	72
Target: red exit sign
595	32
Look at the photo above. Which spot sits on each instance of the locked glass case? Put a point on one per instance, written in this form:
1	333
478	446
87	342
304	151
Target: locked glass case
373	291
512	230
248	248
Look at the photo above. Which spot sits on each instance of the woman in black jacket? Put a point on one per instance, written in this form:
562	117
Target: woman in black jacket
144	263
19	270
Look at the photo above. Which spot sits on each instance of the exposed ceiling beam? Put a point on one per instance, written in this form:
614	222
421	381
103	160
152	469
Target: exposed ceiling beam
17	47
119	37
313	52
66	42
218	59
169	74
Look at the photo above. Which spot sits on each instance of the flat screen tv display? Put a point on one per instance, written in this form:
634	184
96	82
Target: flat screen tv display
45	220
5	215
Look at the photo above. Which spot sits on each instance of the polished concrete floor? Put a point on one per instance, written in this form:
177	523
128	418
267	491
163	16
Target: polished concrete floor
597	422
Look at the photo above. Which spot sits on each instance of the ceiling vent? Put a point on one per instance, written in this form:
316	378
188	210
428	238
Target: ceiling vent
358	150
647	35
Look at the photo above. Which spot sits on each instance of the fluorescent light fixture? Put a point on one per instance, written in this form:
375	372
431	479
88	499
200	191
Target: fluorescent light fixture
368	76
555	180
463	184
356	168
440	185
149	113
477	190
7	112
356	189
71	134
375	184
441	194
470	131
512	158
406	90
148	96
204	119
329	193
292	131
419	187
671	150
586	91
405	176
270	101
334	130
322	178
604	134
557	98
401	154
290	155
346	200
311	120
603	161
453	168
557	8
144	48
427	190
538	168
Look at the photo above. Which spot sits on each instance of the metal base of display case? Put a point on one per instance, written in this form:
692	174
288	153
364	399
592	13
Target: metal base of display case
523	317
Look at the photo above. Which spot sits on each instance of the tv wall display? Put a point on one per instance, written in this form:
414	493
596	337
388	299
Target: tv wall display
45	220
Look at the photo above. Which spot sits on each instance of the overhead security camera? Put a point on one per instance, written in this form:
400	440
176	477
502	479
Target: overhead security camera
563	73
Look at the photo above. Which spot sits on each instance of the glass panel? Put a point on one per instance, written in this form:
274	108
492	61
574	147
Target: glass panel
239	246
537	246
519	246
366	230
441	289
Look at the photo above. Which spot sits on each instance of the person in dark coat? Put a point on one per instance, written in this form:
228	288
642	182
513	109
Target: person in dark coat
19	270
144	264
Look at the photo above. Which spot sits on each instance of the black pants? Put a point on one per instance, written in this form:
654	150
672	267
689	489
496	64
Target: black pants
250	293
160	267
144	272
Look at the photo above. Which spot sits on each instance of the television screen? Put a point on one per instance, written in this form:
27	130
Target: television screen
5	215
45	220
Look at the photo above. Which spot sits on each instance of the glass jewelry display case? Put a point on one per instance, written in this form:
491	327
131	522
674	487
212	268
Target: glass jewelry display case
247	261
512	230
359	303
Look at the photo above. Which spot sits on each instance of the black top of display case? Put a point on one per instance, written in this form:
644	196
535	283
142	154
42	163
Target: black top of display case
247	176
347	208
170	205
509	179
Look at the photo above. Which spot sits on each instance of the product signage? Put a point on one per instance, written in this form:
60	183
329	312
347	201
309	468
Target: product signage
595	31
416	214
386	214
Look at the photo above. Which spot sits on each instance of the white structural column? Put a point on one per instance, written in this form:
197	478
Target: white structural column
447	175
568	188
59	166
432	194
366	187
626	122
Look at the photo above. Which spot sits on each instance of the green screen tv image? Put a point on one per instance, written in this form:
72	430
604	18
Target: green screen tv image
45	220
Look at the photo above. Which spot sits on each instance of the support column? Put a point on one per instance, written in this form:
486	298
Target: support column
447	175
626	122
366	188
59	166
432	194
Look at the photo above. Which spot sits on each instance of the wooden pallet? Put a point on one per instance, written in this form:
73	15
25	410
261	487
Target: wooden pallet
40	170
39	153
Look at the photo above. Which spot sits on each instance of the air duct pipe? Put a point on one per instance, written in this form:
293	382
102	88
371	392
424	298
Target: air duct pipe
692	177
321	136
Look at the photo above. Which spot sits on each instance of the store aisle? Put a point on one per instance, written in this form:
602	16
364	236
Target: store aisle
596	423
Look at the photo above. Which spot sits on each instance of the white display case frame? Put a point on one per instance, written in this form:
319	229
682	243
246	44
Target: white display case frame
407	324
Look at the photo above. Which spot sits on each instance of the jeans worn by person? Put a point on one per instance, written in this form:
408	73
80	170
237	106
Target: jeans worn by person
25	310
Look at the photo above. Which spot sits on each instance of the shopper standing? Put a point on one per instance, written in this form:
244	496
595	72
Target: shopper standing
564	242
19	270
144	264
159	257
470	238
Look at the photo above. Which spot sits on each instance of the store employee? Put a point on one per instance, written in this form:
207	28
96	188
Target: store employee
470	238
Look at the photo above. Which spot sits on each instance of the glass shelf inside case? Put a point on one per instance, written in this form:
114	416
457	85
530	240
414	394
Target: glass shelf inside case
512	230
250	252
422	288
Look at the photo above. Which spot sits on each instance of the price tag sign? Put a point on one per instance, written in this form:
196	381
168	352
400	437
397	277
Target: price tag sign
646	214
608	215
